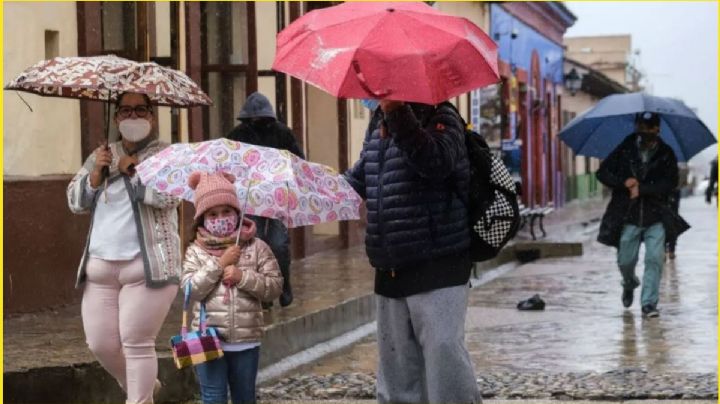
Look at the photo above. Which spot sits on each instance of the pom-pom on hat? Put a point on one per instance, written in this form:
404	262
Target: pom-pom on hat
212	190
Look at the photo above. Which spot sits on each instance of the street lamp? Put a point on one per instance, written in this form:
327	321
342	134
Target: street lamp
573	81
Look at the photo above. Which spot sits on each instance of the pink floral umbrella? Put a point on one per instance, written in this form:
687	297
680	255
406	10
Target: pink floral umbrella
270	182
104	78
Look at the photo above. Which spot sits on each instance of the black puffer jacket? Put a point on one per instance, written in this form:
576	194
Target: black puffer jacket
417	234
658	178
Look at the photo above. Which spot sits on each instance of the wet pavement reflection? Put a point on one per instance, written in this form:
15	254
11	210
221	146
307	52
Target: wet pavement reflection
584	326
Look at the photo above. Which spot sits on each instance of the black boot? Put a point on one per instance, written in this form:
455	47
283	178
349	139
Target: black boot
286	298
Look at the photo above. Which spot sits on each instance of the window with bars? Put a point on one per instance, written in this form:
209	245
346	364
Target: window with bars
226	57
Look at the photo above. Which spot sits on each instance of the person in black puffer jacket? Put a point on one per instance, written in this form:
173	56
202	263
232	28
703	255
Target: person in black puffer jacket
413	173
260	127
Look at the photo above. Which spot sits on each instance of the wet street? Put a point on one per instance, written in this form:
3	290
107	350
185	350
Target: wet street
584	345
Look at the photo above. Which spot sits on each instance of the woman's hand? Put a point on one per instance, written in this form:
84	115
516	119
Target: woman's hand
230	257
127	164
103	158
232	275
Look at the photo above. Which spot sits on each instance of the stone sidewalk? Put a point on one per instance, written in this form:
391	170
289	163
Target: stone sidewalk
584	345
45	352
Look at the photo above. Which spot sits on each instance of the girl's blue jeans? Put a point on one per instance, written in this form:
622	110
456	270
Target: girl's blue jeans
236	370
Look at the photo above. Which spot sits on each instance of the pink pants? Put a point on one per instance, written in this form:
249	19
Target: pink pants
121	318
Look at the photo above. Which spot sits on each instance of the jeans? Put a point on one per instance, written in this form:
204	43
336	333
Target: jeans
654	239
235	369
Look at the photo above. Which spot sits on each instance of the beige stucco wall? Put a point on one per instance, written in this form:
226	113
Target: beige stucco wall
578	104
265	15
46	141
359	117
608	53
323	138
162	48
477	12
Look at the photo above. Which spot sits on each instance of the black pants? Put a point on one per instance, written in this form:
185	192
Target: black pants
275	234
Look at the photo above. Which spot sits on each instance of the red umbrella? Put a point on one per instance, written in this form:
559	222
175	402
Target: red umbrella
399	51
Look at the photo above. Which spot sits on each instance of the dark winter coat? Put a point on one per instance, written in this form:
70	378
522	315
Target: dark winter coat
710	191
271	133
417	233
658	178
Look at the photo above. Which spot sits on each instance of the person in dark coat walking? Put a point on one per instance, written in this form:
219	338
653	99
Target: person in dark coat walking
671	243
710	191
642	173
259	126
413	173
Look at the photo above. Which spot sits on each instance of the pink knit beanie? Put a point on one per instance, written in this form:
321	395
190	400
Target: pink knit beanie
212	190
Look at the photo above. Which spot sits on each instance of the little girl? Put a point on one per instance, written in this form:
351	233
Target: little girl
232	280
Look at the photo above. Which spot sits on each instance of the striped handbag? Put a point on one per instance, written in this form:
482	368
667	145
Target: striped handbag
195	347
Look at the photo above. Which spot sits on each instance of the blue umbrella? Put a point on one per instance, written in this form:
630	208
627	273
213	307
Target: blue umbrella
599	130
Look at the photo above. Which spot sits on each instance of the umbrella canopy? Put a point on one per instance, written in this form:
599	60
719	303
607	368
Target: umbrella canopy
103	78
599	130
270	182
399	51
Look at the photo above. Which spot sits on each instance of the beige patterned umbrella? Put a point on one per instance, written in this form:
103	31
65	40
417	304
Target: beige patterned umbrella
103	78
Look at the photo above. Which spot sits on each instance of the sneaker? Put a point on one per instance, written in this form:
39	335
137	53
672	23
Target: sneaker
627	297
650	311
533	303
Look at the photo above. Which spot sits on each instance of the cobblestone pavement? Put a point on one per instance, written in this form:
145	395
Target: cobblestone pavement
584	345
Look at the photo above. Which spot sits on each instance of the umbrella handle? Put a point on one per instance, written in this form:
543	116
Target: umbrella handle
242	215
364	84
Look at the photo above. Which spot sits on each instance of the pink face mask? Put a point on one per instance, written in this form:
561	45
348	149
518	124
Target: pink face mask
221	226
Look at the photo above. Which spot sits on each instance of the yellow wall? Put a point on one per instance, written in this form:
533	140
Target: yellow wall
607	53
162	48
266	29
46	141
323	139
473	11
579	103
358	117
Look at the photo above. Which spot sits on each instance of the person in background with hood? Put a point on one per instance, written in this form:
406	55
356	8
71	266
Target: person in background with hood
259	126
642	173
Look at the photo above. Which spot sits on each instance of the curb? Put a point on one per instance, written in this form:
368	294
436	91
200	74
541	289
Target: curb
89	383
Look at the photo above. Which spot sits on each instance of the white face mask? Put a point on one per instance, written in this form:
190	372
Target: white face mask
134	130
